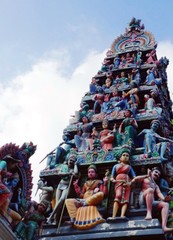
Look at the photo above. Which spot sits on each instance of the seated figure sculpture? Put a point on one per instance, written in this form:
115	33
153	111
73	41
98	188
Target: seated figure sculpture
121	175
83	211
31	225
151	105
151	137
149	191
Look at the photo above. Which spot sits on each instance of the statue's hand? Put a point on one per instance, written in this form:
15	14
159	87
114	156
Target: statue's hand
149	172
167	198
97	189
76	187
105	180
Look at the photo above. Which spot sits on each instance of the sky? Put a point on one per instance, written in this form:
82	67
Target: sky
50	50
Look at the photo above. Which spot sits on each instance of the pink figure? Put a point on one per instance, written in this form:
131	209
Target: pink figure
151	189
106	137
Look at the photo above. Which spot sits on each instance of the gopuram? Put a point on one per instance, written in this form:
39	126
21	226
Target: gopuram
112	176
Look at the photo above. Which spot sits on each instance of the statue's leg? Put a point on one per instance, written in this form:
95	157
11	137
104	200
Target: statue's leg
115	209
163	150
71	208
148	143
95	199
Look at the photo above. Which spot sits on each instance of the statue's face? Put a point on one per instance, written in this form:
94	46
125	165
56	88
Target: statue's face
14	182
105	125
155	126
124	157
156	174
92	173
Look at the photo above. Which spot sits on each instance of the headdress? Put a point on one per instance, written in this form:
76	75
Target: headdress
93	167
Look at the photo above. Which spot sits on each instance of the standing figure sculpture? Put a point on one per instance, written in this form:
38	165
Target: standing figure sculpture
83	211
121	175
149	190
128	127
82	139
67	171
106	136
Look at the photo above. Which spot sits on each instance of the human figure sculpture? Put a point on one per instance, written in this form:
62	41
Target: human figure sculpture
7	164
151	78
115	99
123	80
122	174
128	127
94	137
151	105
133	101
149	190
107	84
13	216
106	102
151	57
150	141
138	59
83	211
116	62
47	192
123	103
135	78
130	60
106	136
93	86
98	98
67	171
32	223
81	139
122	61
61	151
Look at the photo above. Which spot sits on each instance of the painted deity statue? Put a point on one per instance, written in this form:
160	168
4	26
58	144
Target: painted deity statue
128	127
32	223
150	141
150	104
61	152
150	189
82	138
121	175
67	171
83	211
47	193
106	137
7	164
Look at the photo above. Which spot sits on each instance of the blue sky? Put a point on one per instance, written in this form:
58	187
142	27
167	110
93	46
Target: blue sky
50	50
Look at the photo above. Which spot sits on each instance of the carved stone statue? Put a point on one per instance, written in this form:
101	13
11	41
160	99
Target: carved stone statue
121	175
150	141
66	172
83	211
149	190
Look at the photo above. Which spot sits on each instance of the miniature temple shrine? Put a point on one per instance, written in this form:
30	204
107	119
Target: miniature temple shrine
112	176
